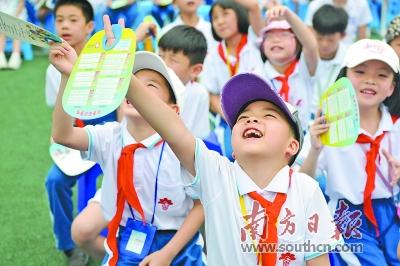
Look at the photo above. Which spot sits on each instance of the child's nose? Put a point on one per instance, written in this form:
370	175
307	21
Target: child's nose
252	120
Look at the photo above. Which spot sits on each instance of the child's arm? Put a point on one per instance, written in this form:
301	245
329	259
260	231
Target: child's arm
302	32
215	104
188	229
322	260
164	120
160	116
318	128
63	57
20	7
362	32
255	18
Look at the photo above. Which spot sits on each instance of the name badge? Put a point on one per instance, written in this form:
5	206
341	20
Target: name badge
136	239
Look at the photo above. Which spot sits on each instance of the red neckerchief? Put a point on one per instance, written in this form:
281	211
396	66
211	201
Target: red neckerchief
232	67
126	192
284	91
370	169
272	210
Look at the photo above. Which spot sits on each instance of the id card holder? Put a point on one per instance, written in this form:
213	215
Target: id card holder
136	239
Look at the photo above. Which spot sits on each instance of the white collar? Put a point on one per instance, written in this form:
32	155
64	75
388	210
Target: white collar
385	124
128	139
279	183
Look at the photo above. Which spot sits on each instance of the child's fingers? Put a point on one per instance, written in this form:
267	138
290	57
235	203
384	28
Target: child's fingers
319	132
145	261
108	30
391	160
121	22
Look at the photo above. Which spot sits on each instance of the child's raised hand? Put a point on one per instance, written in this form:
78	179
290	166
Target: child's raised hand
158	258
318	128
277	13
248	4
108	29
62	56
394	167
145	29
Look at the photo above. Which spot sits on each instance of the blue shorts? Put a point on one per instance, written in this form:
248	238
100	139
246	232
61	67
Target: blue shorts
190	255
376	250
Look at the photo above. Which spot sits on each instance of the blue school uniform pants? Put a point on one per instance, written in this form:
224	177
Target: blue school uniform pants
376	250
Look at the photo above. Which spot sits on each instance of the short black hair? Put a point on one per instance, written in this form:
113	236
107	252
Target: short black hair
186	39
329	19
393	101
83	5
241	15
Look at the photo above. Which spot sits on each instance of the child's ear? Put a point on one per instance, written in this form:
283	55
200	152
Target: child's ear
90	27
392	87
343	34
175	107
195	71
292	148
233	155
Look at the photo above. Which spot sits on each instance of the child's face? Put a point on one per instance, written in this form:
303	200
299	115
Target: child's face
157	84
328	44
395	43
224	22
71	25
179	63
279	46
187	6
372	81
263	130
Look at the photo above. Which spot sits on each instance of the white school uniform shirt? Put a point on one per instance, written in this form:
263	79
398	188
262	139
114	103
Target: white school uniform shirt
52	85
203	26
105	146
358	11
301	85
220	182
195	109
345	166
326	74
216	73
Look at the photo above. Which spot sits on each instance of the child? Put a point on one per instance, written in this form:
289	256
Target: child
359	17
17	9
290	51
74	23
188	16
365	194
266	137
235	53
183	48
157	212
329	24
393	35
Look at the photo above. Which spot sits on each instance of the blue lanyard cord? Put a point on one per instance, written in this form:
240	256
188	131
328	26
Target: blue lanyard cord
155	187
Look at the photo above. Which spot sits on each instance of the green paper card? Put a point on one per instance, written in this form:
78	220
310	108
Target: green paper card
22	30
100	78
340	107
69	160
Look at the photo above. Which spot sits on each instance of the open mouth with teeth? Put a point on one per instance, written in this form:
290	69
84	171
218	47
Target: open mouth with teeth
252	133
368	91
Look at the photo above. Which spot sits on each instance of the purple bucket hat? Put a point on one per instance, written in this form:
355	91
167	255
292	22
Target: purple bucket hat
243	89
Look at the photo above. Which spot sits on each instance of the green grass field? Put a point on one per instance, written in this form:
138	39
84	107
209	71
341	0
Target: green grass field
26	234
